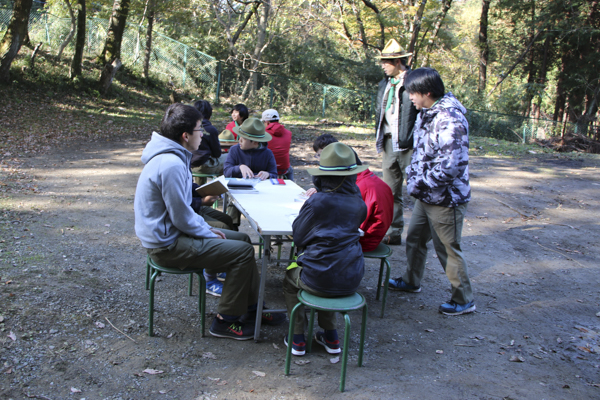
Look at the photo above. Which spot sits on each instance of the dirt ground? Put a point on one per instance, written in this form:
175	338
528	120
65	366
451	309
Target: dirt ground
74	311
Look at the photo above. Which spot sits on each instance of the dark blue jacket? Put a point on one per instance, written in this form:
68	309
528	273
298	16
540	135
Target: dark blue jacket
261	159
326	233
209	146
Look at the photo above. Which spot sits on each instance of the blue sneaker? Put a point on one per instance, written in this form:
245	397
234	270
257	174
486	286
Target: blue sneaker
221	276
214	287
399	284
452	308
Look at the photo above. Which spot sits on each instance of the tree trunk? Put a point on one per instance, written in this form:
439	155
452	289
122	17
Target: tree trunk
71	32
416	29
542	77
79	41
483	46
531	69
561	98
108	73
361	29
261	27
381	41
438	23
114	36
148	50
13	38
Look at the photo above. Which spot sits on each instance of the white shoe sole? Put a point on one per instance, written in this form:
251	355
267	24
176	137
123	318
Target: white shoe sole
294	351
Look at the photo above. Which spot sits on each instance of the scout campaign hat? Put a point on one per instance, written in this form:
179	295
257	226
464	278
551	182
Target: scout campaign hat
393	50
253	129
270	115
337	159
226	138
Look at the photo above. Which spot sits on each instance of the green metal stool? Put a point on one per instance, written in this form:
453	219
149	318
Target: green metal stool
382	252
334	304
156	270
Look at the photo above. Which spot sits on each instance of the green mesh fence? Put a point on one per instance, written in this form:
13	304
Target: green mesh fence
189	69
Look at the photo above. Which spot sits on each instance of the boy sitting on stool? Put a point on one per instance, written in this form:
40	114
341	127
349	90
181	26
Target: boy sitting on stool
331	262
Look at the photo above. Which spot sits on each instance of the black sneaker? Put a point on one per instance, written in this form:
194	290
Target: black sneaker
298	349
399	284
331	347
267	318
232	330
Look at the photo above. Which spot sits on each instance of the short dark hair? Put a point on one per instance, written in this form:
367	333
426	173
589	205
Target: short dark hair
242	110
423	81
179	118
322	141
326	139
205	108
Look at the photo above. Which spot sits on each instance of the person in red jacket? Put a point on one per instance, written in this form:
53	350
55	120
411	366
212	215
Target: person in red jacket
377	196
239	113
280	145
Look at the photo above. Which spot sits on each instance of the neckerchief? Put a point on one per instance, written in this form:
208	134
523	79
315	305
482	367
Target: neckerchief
391	92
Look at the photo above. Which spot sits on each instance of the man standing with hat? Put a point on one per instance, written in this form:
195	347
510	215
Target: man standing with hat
395	118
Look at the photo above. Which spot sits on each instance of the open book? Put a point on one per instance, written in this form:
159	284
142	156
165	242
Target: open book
212	188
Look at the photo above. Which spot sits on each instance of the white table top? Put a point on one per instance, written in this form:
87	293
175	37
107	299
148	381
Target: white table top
272	210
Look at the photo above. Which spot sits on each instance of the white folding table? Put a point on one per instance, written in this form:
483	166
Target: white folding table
270	209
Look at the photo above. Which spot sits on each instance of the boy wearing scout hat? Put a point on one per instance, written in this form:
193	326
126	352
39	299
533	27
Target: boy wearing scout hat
395	118
250	158
326	233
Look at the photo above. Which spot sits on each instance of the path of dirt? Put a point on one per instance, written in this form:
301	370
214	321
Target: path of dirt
71	266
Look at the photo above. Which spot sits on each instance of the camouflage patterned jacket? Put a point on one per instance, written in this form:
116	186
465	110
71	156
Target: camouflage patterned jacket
439	169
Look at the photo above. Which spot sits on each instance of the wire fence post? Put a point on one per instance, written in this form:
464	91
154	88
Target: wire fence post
184	66
272	92
217	91
47	33
324	99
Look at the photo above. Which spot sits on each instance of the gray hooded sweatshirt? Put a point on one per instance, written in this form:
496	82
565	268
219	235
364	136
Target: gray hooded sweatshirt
163	196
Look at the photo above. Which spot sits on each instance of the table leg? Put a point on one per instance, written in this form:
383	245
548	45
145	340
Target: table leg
261	289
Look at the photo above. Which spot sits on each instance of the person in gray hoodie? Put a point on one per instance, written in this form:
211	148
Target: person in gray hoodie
176	237
438	178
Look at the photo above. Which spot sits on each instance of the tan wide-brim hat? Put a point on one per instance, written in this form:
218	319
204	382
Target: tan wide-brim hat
253	129
226	138
337	159
393	50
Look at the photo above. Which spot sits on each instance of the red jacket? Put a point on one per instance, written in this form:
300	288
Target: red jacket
230	127
380	209
280	146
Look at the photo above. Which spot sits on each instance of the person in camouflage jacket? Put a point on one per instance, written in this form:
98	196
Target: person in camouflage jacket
439	169
438	178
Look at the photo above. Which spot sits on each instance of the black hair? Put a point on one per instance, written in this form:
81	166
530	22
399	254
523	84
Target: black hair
242	110
205	108
322	141
326	139
424	81
179	118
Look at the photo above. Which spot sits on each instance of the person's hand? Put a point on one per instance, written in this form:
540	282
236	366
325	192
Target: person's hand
262	175
209	200
218	233
310	192
246	171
